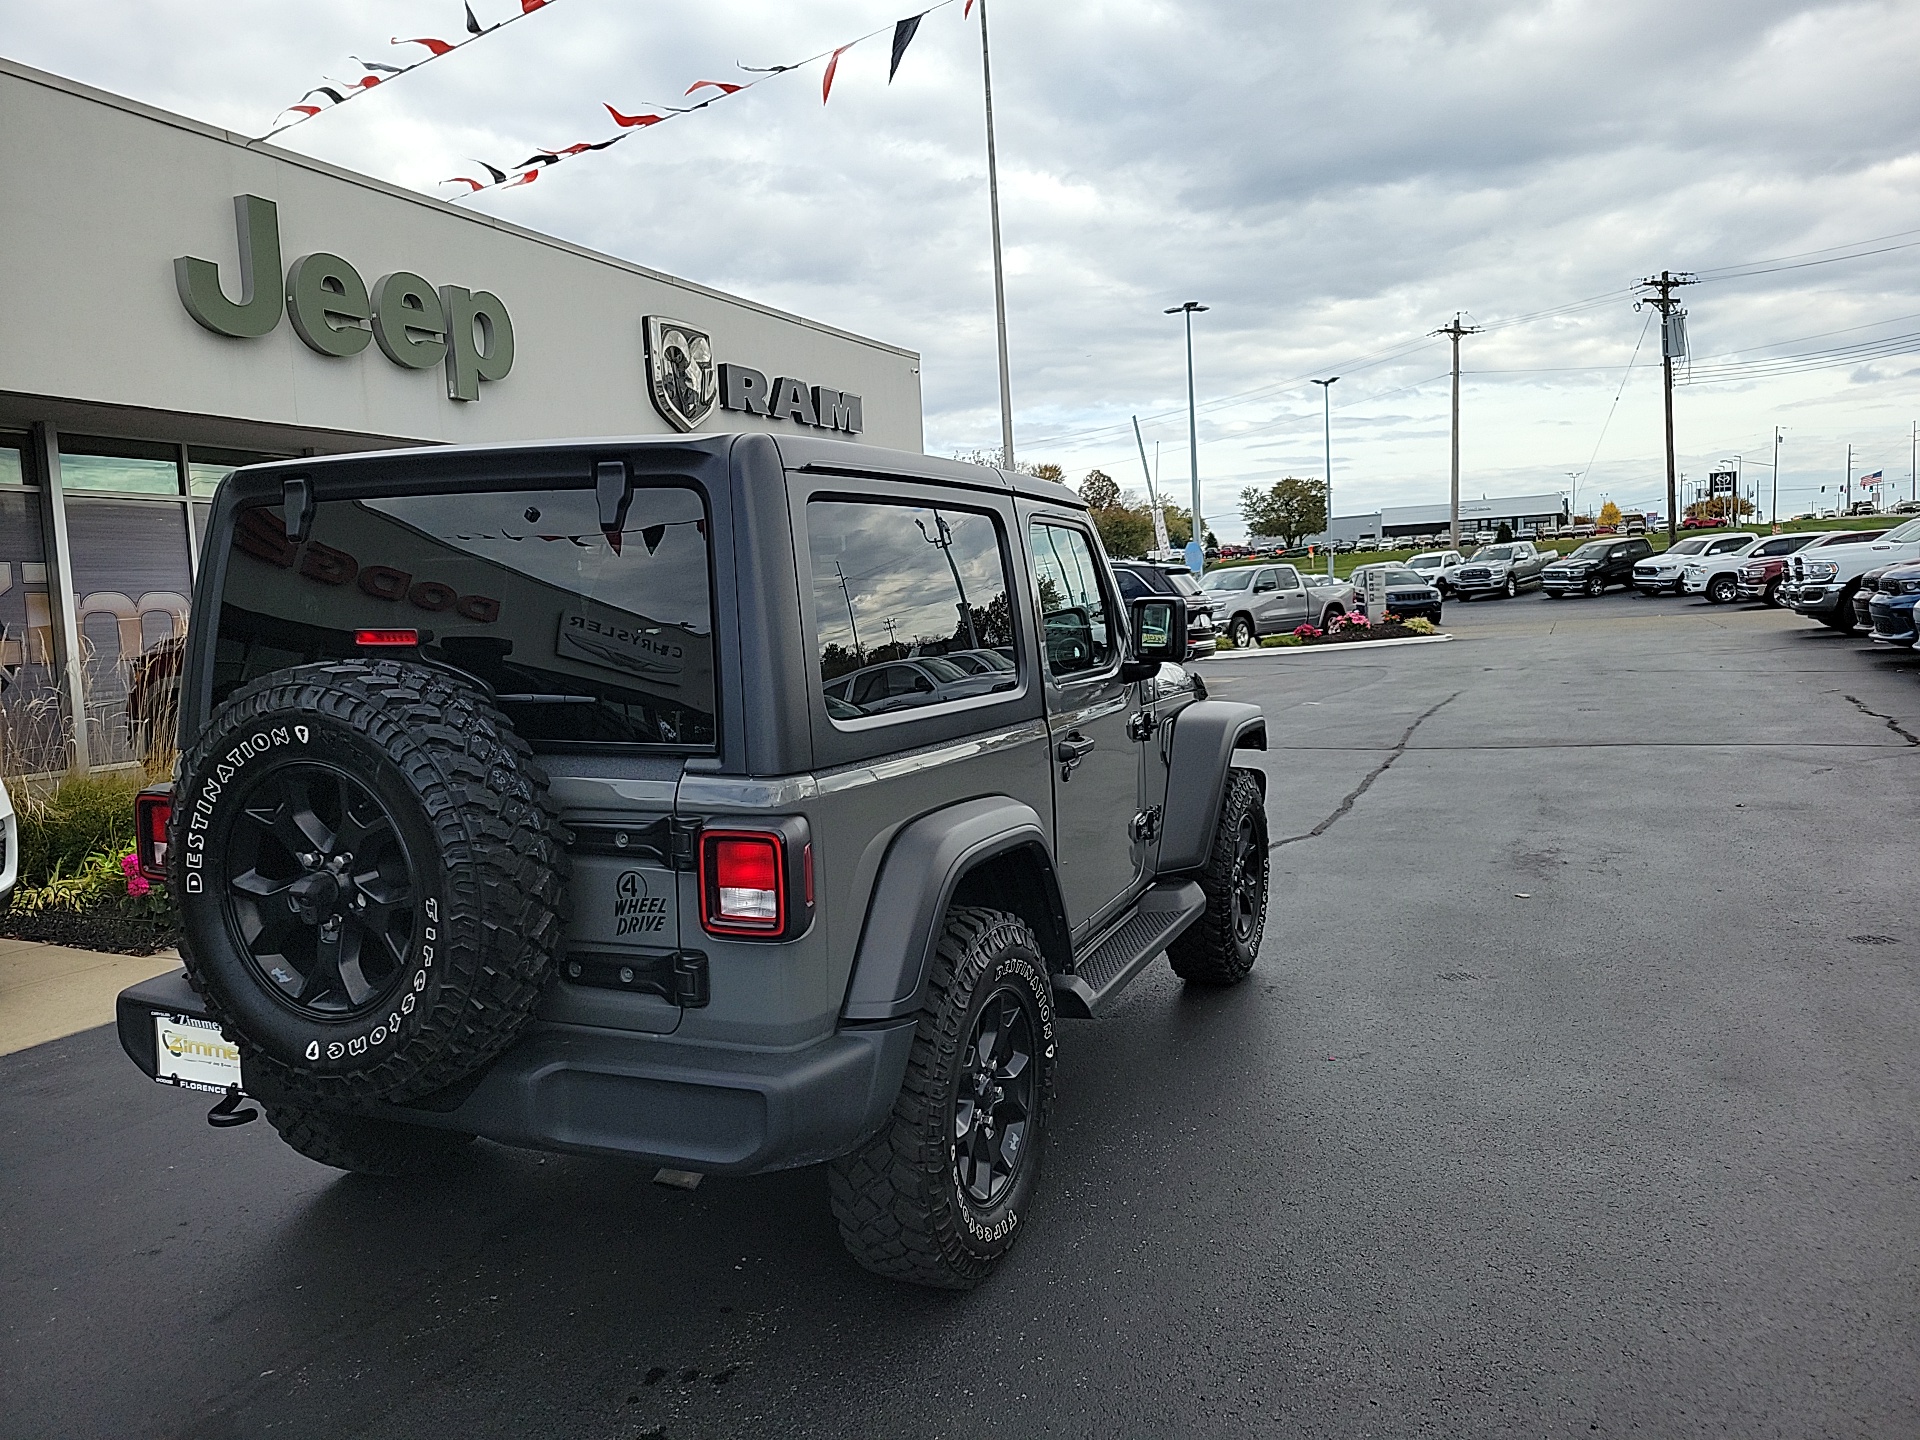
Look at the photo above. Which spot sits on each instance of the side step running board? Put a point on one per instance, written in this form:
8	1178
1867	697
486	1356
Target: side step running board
1097	978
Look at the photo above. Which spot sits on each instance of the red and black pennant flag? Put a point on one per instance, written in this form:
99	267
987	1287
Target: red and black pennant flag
903	33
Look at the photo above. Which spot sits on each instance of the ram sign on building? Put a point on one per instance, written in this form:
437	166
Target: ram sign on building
179	302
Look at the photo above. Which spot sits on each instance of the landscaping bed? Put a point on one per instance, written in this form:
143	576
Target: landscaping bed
1347	630
79	882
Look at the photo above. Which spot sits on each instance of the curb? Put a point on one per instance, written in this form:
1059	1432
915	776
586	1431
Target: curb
1336	649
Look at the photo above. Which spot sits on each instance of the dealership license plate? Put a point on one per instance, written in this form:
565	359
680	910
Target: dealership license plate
192	1053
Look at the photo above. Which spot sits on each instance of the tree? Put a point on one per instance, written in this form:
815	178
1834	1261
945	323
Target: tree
1609	514
1124	530
1179	528
1045	472
1290	509
1100	490
1503	534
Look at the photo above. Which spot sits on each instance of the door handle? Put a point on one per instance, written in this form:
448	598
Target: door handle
1072	749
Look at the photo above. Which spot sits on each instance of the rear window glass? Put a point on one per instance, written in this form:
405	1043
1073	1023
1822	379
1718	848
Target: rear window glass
587	638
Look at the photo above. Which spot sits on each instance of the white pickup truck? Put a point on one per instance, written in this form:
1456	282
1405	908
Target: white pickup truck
1828	575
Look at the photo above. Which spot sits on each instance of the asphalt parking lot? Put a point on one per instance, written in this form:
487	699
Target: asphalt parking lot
1577	1092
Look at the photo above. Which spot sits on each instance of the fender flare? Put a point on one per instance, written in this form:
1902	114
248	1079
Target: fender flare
1205	735
924	866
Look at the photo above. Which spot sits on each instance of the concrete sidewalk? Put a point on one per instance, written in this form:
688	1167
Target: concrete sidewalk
50	991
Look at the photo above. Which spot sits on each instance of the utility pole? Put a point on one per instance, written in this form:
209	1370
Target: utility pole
1673	342
1913	466
1846	502
1326	429
1454	332
999	272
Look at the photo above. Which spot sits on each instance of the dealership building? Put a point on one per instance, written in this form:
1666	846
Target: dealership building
1401	522
180	301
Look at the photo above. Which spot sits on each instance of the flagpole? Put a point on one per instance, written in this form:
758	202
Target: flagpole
999	270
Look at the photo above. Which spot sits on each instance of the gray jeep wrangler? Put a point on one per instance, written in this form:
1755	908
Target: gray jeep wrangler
727	802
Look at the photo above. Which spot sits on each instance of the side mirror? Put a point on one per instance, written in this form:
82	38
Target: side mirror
1159	636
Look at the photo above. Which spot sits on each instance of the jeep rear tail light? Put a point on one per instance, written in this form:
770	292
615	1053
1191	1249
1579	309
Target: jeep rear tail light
756	883
152	814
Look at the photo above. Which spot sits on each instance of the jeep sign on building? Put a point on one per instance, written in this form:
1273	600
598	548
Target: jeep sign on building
179	302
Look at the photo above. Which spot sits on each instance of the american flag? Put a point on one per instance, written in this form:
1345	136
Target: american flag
1873	479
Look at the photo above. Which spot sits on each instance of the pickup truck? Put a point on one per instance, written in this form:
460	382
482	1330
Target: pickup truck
1666	572
1828	576
1256	600
1718	576
1504	569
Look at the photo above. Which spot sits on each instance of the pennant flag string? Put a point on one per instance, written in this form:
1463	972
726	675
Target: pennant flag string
530	169
382	74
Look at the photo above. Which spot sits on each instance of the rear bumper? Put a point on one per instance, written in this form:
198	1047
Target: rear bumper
709	1108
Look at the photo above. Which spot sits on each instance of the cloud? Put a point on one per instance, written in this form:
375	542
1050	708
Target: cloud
1335	181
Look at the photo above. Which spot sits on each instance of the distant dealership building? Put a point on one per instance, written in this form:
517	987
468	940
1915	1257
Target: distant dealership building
180	301
1519	512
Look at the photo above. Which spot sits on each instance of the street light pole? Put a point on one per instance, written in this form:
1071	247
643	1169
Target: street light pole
1327	434
1774	509
1196	543
999	271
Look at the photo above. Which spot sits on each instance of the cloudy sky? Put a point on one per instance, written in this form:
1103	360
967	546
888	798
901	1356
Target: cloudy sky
1335	181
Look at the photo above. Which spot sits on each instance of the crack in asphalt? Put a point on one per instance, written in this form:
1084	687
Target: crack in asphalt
1372	775
1892	724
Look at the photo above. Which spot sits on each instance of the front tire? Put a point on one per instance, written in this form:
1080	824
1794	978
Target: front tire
938	1196
1220	947
1513	587
1241	632
1724	590
1594	587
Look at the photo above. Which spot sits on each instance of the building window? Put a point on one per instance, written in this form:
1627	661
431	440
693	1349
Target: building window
131	583
13	460
32	722
127	467
207	468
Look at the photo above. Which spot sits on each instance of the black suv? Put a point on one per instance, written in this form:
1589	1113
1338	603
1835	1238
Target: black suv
1594	566
1138	578
522	795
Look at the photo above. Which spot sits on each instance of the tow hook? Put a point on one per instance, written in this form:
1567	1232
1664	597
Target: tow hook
228	1113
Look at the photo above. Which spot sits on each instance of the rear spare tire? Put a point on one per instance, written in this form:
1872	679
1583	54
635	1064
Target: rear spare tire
370	877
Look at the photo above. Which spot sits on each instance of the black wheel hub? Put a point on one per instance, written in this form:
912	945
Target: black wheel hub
994	1105
319	889
1248	878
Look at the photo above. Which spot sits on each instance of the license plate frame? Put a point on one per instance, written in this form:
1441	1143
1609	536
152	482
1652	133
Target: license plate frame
190	1053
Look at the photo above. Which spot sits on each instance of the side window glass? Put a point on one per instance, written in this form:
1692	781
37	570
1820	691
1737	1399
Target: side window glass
1073	608
1289	577
894	583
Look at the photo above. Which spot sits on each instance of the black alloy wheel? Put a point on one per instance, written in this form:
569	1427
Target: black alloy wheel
1247	883
994	1102
1594	587
319	891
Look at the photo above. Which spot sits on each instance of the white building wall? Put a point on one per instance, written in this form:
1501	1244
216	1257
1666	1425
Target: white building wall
103	193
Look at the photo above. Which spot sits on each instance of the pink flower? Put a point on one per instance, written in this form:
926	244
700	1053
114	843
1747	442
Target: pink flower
137	885
130	863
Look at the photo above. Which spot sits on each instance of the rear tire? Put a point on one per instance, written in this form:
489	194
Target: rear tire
1333	612
366	1146
370	876
927	1200
1220	947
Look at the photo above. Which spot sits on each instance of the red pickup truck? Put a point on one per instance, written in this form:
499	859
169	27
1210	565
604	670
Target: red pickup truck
1760	578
